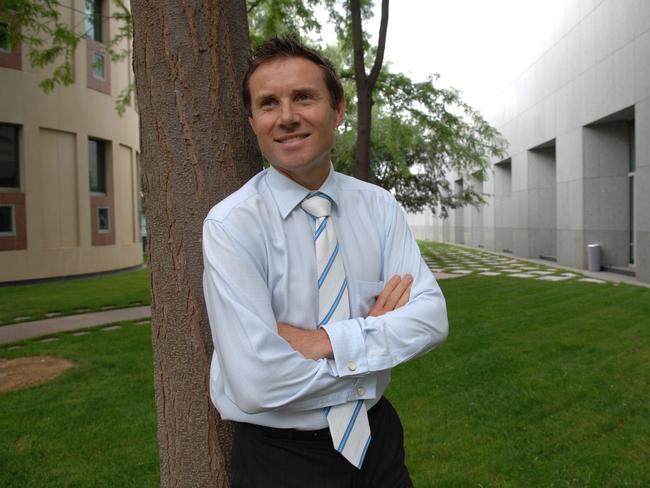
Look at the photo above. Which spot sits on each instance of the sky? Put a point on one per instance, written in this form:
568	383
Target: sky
476	46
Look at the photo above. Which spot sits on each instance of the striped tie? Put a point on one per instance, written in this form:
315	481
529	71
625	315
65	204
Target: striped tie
348	422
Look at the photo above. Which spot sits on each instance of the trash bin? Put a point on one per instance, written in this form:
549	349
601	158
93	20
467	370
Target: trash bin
593	257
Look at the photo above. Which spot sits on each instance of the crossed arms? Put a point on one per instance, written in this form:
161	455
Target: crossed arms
315	344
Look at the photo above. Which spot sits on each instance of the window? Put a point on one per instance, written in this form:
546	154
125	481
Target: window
94	20
4	37
9	161
98	69
97	165
7	220
103	220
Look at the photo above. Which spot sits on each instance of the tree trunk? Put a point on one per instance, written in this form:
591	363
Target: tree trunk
365	85
189	60
364	127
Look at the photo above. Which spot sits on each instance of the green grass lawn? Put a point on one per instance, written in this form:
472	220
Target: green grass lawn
33	302
94	426
541	384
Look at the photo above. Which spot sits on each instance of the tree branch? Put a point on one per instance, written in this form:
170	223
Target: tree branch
381	45
357	44
252	6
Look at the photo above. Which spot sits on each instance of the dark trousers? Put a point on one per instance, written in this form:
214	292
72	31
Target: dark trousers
284	458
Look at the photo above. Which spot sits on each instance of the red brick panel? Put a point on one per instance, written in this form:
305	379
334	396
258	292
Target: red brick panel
13	60
19	241
104	85
103	238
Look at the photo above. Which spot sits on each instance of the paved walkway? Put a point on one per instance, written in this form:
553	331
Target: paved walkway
461	260
29	330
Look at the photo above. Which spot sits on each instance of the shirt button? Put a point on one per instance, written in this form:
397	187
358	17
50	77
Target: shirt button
361	390
352	365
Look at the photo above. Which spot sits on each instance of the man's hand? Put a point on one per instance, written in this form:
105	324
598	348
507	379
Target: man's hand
312	344
395	294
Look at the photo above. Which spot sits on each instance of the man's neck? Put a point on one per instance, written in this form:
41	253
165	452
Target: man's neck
312	180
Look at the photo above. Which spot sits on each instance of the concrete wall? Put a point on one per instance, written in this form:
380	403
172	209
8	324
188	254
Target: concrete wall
54	132
502	211
588	82
475	235
541	202
642	130
606	149
570	199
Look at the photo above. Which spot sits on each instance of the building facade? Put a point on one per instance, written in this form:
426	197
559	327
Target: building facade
578	167
69	179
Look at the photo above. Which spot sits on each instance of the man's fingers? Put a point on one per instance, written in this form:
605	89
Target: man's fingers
403	300
385	293
397	292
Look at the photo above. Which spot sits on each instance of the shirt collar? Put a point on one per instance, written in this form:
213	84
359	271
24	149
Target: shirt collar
288	194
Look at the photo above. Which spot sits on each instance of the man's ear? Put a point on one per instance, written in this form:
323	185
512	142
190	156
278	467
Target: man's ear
340	112
252	124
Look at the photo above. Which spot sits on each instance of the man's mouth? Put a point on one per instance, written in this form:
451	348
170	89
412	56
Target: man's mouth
291	138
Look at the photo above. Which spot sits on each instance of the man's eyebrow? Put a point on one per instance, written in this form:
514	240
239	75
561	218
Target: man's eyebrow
307	90
263	97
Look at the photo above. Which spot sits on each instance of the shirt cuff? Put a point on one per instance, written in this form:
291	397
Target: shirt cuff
348	347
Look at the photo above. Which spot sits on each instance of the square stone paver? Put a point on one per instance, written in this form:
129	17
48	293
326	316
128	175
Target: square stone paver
81	333
523	275
49	339
489	273
112	327
554	278
591	280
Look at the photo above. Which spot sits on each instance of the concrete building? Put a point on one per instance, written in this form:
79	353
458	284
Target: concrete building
69	185
578	168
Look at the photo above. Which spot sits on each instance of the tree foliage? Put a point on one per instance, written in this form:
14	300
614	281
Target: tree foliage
421	135
268	18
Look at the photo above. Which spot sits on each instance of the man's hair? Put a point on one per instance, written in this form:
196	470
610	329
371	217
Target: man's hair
290	47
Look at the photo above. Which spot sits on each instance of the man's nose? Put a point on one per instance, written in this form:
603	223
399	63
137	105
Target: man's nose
288	115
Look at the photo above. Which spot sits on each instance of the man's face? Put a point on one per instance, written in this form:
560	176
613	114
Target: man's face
293	118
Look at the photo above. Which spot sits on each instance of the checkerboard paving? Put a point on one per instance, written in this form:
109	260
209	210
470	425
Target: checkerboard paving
449	260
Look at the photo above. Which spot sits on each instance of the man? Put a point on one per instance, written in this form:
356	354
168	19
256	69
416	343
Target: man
315	289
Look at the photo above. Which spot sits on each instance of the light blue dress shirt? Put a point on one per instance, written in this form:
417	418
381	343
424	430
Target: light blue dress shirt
260	269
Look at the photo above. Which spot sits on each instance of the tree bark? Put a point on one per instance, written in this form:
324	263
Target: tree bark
365	85
197	147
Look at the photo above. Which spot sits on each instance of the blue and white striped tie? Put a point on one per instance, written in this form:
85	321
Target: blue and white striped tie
348	422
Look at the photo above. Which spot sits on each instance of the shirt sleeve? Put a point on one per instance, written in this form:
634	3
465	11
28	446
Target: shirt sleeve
364	345
259	369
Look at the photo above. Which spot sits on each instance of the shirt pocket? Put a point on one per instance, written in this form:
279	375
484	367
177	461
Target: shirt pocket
363	295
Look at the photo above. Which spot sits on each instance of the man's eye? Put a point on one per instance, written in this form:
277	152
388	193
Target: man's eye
268	103
303	97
